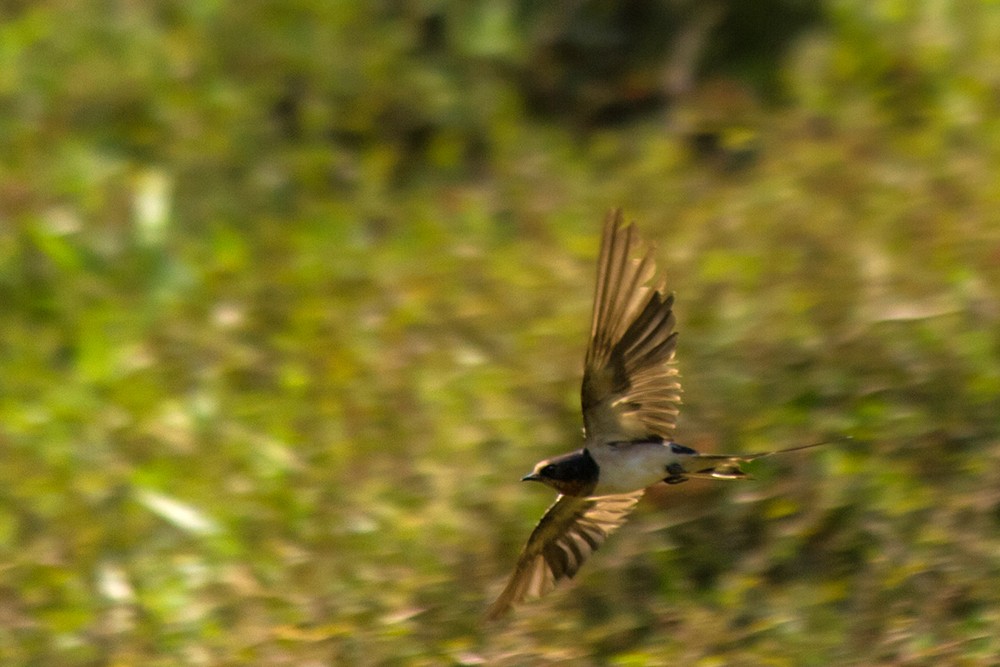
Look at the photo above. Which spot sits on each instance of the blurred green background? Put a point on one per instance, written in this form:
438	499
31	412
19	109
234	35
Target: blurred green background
292	294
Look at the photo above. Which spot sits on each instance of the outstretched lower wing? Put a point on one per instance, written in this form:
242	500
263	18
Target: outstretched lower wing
571	529
630	390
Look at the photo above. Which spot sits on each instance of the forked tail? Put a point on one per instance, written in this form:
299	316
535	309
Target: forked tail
727	466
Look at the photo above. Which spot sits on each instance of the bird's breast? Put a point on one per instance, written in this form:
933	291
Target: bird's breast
630	466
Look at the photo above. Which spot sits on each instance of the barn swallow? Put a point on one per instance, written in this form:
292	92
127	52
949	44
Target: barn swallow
630	398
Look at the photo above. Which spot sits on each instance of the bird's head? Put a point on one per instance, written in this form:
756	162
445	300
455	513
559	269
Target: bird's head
573	474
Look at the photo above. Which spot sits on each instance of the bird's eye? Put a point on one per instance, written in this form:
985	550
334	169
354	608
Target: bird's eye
548	470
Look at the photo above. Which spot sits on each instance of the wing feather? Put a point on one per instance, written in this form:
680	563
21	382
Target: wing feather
569	531
630	390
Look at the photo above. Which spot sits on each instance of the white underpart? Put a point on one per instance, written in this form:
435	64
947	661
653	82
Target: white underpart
630	466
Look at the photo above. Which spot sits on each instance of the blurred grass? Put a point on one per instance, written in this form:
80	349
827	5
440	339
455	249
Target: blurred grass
292	297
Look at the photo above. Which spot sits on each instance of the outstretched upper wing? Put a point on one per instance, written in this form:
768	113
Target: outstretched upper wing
571	529
629	389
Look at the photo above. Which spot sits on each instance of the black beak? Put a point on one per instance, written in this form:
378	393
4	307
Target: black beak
531	478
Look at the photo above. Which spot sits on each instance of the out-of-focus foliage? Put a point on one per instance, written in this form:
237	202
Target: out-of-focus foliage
291	294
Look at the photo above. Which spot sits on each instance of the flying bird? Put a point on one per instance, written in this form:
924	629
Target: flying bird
630	397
